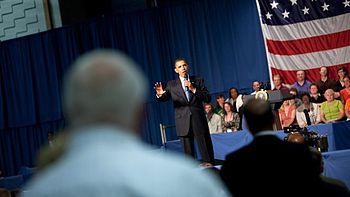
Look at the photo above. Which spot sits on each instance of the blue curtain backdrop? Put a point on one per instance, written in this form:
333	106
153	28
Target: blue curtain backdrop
221	39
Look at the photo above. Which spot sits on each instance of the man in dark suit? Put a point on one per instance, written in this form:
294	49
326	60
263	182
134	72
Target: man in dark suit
269	166
188	94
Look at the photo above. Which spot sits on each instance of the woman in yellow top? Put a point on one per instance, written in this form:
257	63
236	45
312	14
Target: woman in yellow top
331	110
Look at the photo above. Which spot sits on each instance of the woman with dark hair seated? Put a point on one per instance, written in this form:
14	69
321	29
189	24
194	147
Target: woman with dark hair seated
235	99
230	119
219	108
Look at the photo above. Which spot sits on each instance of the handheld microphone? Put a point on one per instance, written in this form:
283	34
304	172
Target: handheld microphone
307	116
187	78
306	110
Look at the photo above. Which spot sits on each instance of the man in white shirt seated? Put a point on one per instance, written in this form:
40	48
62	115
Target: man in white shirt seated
256	87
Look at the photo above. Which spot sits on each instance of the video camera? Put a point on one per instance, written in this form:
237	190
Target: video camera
310	138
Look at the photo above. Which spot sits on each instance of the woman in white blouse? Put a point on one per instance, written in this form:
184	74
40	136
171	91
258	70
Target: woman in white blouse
311	110
235	99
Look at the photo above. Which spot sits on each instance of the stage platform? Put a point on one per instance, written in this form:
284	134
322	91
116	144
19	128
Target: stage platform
337	158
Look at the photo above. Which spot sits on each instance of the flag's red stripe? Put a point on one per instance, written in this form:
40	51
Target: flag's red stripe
312	75
308	45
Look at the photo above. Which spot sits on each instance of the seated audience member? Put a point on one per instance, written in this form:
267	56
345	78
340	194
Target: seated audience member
287	113
347	109
339	84
219	108
301	84
277	82
230	120
307	113
331	110
297	101
256	87
103	154
278	85
214	120
235	99
325	82
345	93
315	96
268	166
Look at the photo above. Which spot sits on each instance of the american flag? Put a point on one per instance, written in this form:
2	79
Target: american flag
306	35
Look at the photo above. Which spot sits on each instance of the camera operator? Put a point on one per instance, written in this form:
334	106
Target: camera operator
303	136
296	138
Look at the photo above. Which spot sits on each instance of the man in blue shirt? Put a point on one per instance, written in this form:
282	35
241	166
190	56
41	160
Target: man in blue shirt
302	84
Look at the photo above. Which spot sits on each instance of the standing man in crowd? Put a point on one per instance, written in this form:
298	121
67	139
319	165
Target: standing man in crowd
277	83
103	155
188	94
301	84
324	83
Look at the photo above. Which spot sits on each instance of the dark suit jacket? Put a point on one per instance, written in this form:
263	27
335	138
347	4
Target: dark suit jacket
336	187
184	109
271	167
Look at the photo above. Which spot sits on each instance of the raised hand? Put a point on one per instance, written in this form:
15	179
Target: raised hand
158	87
